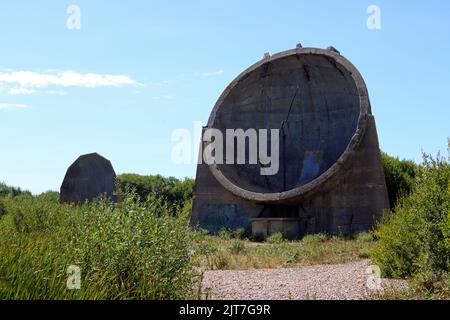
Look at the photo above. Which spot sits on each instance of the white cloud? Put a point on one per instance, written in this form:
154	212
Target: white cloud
27	82
8	106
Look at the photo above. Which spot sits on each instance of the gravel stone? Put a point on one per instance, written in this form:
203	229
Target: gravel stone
325	282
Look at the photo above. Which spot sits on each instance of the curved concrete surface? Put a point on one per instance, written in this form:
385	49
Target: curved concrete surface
330	177
324	100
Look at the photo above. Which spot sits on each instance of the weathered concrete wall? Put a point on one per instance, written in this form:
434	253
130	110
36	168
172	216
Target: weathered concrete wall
354	199
335	177
322	120
88	177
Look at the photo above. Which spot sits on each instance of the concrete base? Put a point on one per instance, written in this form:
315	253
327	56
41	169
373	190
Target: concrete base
290	227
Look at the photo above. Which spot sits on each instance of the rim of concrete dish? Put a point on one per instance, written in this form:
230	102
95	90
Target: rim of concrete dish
353	145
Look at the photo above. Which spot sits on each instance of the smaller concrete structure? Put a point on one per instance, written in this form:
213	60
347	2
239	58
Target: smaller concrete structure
89	177
264	227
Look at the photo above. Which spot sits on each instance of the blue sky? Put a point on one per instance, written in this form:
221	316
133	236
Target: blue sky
137	70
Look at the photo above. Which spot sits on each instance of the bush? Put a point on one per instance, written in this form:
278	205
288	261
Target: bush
365	237
11	191
2	209
257	237
314	238
171	189
277	237
399	176
237	247
415	238
225	233
239	233
220	261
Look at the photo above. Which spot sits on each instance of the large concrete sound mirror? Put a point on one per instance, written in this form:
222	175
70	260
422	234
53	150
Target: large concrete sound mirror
330	176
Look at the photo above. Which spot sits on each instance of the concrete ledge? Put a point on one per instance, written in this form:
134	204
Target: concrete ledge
267	226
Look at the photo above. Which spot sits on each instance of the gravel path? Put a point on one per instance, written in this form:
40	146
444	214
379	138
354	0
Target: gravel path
339	281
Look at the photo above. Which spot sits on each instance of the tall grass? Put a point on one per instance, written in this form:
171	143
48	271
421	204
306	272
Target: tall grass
132	250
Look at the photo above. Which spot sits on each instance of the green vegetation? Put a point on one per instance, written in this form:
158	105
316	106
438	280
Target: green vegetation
143	247
231	253
399	176
10	191
170	189
238	233
133	250
414	240
276	237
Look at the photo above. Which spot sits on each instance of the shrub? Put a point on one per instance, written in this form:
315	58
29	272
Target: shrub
225	233
2	209
365	237
11	191
257	237
314	238
415	238
239	233
277	237
220	261
237	247
172	190
399	176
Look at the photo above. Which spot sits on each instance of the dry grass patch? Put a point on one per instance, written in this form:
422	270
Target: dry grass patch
221	253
